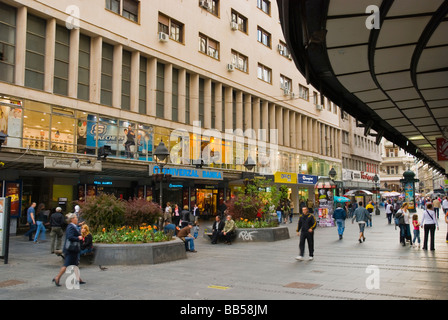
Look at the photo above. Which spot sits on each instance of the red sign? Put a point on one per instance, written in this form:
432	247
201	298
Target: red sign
442	149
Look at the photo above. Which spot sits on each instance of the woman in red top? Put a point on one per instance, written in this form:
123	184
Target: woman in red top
416	225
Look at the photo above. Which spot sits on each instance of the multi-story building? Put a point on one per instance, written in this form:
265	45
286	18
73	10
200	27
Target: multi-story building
214	80
361	157
395	162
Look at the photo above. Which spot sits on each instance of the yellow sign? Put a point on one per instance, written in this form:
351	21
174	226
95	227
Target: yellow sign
285	177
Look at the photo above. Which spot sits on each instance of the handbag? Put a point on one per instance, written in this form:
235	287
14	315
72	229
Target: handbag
72	246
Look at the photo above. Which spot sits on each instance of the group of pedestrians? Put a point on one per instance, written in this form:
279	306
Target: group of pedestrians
363	216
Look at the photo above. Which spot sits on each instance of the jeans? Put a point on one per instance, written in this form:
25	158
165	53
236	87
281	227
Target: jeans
190	242
416	235
389	218
341	226
40	228
29	233
279	216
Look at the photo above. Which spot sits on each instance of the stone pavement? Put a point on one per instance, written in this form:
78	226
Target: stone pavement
378	269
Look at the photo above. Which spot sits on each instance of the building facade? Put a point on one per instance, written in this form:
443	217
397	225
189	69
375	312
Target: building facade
214	80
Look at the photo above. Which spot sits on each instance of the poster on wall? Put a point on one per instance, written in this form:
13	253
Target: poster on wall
14	191
409	194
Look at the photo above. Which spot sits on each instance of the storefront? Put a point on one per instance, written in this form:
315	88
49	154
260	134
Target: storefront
306	184
191	186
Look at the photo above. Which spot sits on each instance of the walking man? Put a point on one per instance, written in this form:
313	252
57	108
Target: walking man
31	219
305	230
361	215
340	215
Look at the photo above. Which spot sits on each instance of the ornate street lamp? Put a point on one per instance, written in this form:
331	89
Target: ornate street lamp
377	188
161	155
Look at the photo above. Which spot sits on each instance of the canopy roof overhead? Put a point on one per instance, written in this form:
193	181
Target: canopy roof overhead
393	78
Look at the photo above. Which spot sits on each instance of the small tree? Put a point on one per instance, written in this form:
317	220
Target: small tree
258	196
141	211
103	211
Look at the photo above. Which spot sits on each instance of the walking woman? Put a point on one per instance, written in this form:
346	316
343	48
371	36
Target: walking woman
429	224
72	235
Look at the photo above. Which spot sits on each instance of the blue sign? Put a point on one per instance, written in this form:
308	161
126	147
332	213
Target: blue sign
187	172
306	179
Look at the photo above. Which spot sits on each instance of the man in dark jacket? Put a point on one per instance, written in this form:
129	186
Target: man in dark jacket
218	225
339	216
56	223
305	230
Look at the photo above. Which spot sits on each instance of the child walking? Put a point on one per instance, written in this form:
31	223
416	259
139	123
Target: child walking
416	225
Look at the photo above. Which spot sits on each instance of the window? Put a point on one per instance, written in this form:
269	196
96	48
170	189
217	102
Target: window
303	92
106	74
285	83
240	21
264	5
392	152
61	61
264	37
175	96
264	73
142	86
283	50
345	137
35	52
315	98
208	46
126	81
126	8
392	169
239	61
171	27
84	67
160	91
211	6
7	42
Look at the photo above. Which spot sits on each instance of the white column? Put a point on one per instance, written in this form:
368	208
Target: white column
50	44
20	56
73	63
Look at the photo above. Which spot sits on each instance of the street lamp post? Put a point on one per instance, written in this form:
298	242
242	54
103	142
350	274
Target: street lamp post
377	188
161	155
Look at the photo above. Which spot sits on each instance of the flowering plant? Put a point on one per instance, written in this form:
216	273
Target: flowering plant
127	234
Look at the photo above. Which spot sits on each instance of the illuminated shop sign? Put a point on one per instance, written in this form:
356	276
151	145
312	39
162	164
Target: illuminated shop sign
187	172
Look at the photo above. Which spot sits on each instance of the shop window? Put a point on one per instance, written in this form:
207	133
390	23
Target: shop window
62	53
106	132
84	67
144	142
35	52
7	42
62	130
36	130
84	127
11	121
127	140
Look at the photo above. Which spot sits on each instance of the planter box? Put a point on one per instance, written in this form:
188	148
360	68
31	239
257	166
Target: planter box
145	253
261	234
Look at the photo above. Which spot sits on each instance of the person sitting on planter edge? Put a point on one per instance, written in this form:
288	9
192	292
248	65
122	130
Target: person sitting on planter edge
229	229
185	235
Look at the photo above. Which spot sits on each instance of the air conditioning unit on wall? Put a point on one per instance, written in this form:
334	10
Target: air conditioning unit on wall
204	4
230	67
163	37
233	25
319	107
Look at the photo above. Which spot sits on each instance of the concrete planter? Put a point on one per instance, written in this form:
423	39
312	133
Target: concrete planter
145	253
261	234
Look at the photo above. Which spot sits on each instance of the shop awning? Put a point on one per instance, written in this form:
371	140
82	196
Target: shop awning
354	192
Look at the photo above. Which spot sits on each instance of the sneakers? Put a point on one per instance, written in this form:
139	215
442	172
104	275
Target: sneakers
300	258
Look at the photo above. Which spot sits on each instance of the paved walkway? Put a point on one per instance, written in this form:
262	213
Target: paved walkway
379	268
